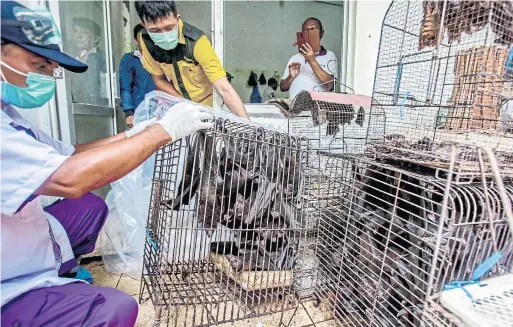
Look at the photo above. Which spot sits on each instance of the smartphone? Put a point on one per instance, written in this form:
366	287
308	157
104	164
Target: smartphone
312	37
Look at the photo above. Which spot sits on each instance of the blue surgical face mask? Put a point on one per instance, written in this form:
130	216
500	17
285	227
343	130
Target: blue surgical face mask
39	90
166	40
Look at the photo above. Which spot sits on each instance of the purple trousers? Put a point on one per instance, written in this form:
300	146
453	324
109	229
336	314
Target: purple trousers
82	219
70	305
75	304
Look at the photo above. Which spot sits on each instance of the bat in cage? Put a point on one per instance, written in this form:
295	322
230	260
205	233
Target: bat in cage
247	182
380	240
334	109
466	16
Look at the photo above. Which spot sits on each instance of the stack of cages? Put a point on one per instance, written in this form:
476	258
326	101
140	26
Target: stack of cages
417	211
225	226
444	74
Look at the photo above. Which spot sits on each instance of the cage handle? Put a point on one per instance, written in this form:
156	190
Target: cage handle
500	186
488	209
335	77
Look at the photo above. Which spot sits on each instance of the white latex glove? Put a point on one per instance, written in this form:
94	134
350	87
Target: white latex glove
139	127
184	119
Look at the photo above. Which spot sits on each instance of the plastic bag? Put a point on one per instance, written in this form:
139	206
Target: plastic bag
124	232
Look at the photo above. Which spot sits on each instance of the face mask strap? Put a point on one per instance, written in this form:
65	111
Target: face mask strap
12	69
3	76
57	72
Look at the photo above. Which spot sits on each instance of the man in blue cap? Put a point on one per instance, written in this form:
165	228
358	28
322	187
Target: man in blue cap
34	256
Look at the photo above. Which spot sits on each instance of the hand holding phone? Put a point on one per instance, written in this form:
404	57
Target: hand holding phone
311	37
308	53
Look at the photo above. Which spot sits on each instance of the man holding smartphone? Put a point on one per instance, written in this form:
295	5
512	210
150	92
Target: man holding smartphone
310	70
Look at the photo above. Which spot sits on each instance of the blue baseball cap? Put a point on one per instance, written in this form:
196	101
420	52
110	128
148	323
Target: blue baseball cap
37	33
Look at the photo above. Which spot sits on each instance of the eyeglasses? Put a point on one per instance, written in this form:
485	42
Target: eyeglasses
313	28
37	25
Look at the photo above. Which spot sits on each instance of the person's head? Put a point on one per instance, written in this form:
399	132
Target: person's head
272	83
17	59
30	54
311	24
137	29
86	33
158	16
161	21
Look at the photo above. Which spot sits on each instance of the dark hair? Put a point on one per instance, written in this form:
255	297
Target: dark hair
315	19
272	81
88	24
152	11
137	29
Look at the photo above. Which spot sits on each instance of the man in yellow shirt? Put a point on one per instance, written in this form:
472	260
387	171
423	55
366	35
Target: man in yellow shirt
181	59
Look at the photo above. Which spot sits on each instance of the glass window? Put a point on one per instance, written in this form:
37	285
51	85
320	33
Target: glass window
84	37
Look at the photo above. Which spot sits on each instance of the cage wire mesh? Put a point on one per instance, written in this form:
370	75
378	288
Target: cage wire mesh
444	74
369	211
396	229
227	237
389	243
333	121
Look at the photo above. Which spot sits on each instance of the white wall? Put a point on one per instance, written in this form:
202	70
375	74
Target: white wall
369	17
259	36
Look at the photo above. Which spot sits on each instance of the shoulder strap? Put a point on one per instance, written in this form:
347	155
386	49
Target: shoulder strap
191	35
191	32
180	81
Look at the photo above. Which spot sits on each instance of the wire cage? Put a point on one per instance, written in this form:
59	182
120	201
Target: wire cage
226	238
371	211
444	73
396	235
334	121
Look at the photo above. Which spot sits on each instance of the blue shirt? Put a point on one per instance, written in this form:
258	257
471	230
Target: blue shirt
134	81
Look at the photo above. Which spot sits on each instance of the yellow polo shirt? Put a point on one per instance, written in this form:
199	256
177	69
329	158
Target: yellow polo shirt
197	79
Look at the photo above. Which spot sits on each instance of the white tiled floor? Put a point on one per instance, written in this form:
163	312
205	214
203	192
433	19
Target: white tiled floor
131	286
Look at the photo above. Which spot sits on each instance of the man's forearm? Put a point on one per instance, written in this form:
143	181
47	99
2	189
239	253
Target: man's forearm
91	145
285	83
100	166
127	101
230	97
325	78
234	103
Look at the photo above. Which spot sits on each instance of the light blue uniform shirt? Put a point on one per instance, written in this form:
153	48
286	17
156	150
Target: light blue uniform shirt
27	241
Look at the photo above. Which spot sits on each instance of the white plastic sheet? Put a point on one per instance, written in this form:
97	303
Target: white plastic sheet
124	232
